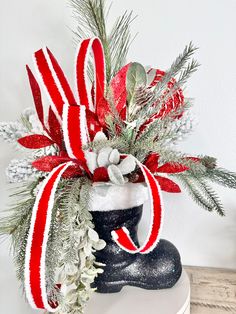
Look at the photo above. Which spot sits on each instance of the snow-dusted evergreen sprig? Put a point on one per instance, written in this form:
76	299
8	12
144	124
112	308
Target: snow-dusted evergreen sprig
201	192
29	123
21	170
177	130
221	176
12	131
17	221
178	65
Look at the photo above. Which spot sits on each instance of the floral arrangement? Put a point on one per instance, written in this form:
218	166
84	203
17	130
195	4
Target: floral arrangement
122	125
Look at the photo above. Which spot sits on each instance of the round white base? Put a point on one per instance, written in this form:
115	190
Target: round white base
132	300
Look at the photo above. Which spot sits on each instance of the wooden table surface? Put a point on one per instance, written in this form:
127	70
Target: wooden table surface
213	291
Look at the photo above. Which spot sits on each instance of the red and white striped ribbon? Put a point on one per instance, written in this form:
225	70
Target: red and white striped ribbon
54	81
35	258
82	80
122	235
75	130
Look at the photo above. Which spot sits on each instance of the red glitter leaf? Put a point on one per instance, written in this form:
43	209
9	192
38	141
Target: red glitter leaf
48	163
172	168
118	86
36	96
55	128
72	172
93	124
103	110
100	175
152	162
35	141
168	185
195	159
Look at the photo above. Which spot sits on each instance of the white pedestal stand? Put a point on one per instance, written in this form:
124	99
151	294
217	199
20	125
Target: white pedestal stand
132	300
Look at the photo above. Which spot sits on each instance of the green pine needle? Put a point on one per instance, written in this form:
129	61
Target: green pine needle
91	18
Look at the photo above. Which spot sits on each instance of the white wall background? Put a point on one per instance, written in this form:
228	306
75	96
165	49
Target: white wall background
164	27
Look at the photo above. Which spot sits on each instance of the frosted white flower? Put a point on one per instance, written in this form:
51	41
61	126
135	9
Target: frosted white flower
110	158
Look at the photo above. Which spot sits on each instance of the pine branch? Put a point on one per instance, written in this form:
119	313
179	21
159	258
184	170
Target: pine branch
179	63
16	222
201	193
187	72
12	131
177	66
168	129
162	92
21	170
222	176
120	41
91	17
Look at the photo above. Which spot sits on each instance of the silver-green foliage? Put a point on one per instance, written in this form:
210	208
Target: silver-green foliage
72	245
136	77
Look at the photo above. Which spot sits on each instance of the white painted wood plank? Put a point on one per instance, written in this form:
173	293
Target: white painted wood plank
212	290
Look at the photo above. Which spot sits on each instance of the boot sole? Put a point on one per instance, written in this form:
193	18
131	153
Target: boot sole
115	287
109	287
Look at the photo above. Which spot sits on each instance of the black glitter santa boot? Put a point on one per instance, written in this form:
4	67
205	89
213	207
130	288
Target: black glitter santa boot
159	269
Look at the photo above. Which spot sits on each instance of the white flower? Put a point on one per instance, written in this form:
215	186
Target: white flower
111	159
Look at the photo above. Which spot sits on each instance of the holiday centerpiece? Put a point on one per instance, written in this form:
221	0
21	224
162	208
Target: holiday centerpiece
97	154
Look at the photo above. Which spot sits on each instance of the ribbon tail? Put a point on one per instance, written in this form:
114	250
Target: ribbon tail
122	236
35	258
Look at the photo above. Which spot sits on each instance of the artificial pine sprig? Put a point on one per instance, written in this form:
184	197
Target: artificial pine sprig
91	18
222	176
202	193
179	64
16	221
